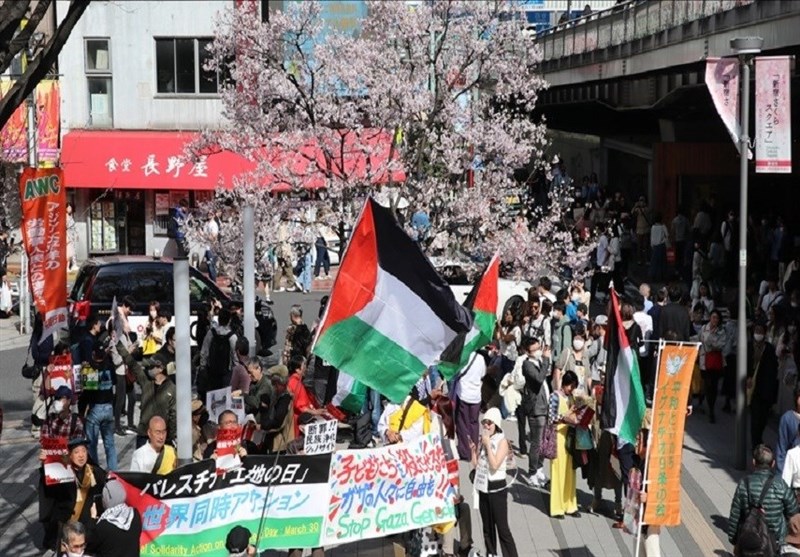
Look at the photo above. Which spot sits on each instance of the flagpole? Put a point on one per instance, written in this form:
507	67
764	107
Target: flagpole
661	344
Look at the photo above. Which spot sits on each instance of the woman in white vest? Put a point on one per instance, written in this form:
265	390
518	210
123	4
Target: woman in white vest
489	468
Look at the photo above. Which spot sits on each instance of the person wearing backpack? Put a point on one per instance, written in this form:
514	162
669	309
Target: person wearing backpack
218	355
761	508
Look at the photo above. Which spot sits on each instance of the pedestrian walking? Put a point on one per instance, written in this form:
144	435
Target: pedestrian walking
99	397
322	260
762	382
712	362
467	388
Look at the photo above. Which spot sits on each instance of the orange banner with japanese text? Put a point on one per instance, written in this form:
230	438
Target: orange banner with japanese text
44	231
666	431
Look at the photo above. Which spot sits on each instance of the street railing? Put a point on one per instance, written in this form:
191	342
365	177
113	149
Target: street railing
626	22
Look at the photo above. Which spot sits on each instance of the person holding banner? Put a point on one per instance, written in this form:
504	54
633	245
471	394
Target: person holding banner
117	530
74	500
489	479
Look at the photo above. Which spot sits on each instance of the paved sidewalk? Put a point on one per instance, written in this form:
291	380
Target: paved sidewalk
708	482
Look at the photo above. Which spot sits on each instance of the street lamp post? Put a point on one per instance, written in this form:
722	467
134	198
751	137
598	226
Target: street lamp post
745	48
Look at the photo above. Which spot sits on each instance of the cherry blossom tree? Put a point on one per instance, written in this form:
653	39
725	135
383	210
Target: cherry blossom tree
428	103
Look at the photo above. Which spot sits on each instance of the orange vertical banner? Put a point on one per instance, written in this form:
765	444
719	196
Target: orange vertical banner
666	431
44	231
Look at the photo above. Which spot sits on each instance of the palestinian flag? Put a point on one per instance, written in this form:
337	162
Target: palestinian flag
390	314
623	397
350	394
482	302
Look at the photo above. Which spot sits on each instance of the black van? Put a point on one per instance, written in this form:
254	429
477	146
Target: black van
145	279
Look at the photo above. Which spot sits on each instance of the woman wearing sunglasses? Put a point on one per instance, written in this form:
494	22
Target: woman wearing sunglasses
489	469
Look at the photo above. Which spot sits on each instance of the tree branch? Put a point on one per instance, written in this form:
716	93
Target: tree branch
38	69
21	39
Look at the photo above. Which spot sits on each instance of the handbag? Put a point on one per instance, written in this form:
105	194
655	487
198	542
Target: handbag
583	439
549	448
30	371
714	360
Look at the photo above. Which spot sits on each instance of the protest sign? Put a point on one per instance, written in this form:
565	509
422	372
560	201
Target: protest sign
217	401
56	461
60	373
237	405
228	440
320	437
191	510
378	492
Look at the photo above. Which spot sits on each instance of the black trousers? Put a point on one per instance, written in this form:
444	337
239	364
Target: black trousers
625	455
759	415
494	516
522	418
711	386
123	393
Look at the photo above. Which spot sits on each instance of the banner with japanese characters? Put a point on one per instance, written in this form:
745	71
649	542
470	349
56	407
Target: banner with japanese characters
665	447
191	510
773	115
722	80
44	230
14	134
378	492
228	443
56	460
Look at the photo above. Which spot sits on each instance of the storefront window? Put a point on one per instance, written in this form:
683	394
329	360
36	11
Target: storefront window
165	201
102	232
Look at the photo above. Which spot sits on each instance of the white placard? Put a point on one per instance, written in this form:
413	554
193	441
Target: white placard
320	437
217	401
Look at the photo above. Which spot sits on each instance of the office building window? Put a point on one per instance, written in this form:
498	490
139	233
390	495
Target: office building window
98	81
180	67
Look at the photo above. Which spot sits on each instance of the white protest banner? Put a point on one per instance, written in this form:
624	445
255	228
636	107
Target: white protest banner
56	455
378	492
773	115
320	437
217	401
722	80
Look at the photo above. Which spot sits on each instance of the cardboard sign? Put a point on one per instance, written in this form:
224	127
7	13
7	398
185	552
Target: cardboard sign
320	437
56	464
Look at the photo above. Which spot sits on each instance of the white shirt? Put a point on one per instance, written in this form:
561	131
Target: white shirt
143	459
658	235
211	233
509	349
602	250
468	388
791	468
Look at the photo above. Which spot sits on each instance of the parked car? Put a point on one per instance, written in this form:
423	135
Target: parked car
143	278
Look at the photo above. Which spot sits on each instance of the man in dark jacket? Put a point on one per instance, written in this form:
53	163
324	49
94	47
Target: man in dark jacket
259	385
673	317
779	503
158	399
762	381
535	405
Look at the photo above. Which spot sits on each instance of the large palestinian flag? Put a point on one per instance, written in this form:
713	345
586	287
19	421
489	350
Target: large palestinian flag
623	396
482	301
390	314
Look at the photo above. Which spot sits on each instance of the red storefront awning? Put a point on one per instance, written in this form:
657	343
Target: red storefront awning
156	160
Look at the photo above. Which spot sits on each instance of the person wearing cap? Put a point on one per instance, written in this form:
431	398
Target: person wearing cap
277	415
74	500
100	408
488	461
117	530
61	421
238	542
155	456
158	399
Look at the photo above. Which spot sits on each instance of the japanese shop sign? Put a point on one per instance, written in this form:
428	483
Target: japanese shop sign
378	492
56	461
773	115
320	437
44	231
722	80
191	510
666	443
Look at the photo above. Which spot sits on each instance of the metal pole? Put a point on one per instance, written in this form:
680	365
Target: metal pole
183	359
249	278
740	445
33	162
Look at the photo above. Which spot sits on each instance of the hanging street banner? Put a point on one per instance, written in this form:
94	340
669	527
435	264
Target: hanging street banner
722	80
378	492
666	444
43	195
773	115
14	135
191	510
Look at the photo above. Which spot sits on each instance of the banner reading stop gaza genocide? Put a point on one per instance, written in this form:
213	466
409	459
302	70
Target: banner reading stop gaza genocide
44	231
307	501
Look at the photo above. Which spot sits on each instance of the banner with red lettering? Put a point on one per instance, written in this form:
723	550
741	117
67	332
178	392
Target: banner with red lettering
773	115
56	461
228	443
722	80
44	231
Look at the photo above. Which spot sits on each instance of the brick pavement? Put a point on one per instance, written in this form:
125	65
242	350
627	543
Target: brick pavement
708	482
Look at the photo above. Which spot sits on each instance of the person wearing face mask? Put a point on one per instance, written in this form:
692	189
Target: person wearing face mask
762	382
158	399
61	421
73	540
61	503
574	359
535	403
117	530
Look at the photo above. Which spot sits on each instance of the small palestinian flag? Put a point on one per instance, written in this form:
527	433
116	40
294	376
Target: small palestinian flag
390	314
482	301
623	396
